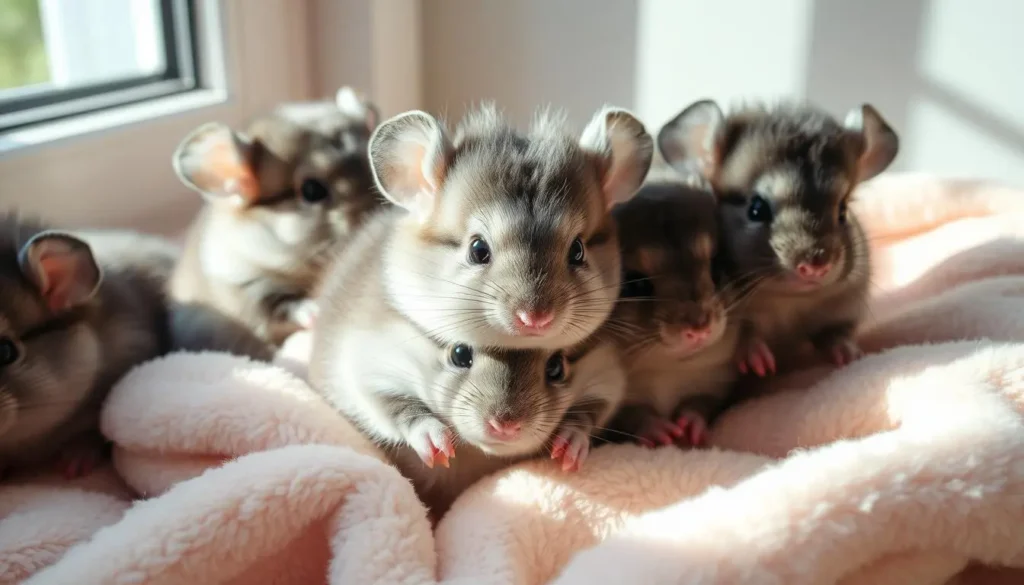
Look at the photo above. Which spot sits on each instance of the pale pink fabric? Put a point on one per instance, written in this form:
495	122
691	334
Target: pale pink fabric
905	467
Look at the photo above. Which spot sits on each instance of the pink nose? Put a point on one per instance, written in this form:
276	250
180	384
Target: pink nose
535	321
813	272
697	336
504	429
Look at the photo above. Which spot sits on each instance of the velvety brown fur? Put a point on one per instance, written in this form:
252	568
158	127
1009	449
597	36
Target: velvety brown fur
802	162
668	233
803	166
669	241
68	359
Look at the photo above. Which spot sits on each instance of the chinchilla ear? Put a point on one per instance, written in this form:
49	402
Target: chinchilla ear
62	269
352	104
692	142
873	140
623	150
216	161
409	154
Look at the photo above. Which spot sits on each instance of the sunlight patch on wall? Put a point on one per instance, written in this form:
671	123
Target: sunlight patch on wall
726	50
974	51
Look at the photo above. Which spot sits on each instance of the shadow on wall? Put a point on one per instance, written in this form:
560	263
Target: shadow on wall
943	72
880	47
853	52
574	54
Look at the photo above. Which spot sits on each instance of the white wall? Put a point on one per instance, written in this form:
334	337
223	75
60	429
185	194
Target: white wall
946	73
576	54
374	47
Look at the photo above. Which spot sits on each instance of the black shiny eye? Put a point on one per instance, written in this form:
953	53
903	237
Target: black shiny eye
554	370
8	352
636	284
313	191
577	253
461	356
842	212
479	251
759	211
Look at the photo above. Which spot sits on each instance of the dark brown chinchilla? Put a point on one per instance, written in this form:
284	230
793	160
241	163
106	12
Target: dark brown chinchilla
672	322
784	177
278	196
77	311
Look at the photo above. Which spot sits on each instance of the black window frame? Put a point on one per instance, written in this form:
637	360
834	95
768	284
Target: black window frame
181	74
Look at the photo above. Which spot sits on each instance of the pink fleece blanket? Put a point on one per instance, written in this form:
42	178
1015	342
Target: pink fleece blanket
905	467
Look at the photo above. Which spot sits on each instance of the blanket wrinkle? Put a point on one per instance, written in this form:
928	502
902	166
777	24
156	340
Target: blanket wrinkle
857	517
906	466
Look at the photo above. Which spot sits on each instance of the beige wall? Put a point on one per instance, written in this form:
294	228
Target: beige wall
575	54
113	168
947	73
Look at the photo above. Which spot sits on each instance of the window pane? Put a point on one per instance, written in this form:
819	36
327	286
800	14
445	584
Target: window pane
23	59
67	44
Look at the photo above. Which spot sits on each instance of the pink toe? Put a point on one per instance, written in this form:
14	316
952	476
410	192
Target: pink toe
558	447
837	356
697	435
757	365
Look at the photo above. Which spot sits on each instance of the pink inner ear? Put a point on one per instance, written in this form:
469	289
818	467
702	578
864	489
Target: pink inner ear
225	170
621	175
64	284
418	179
702	141
54	287
418	172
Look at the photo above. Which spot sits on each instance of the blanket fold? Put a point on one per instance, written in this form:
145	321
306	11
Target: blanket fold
951	478
904	467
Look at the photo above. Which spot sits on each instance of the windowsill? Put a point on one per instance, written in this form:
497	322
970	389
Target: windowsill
30	138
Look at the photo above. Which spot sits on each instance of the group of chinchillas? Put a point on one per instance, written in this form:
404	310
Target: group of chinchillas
477	296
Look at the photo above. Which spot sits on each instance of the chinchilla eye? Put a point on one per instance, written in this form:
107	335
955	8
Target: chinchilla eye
461	356
842	212
554	370
479	251
577	252
759	210
8	352
313	191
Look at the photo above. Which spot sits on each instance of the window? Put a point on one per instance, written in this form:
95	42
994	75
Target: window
60	58
110	165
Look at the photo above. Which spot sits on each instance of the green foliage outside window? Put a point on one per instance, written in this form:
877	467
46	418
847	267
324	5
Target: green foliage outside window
22	51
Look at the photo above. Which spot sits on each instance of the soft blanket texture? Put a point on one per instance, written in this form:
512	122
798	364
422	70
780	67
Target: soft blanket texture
904	467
